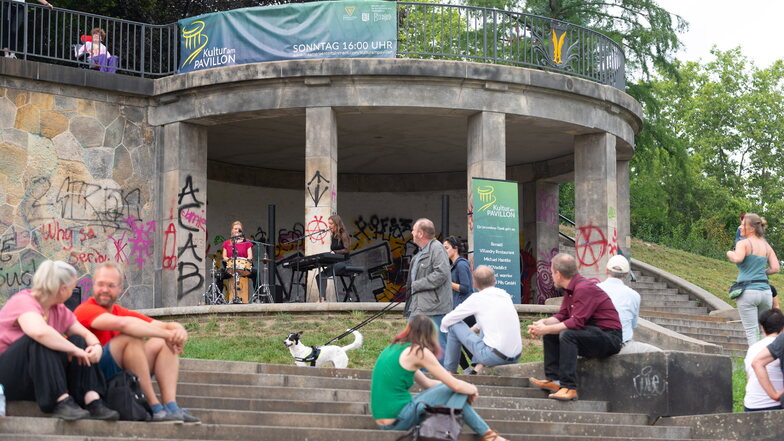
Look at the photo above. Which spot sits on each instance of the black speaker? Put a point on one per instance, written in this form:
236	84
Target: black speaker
75	299
277	293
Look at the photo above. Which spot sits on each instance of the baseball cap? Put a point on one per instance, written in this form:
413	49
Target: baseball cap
618	264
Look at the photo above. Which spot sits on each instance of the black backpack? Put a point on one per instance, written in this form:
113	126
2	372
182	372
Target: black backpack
126	397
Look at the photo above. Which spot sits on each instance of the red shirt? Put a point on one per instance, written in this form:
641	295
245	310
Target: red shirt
586	304
89	310
242	248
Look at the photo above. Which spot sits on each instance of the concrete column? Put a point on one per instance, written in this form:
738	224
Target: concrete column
596	212
321	184
624	212
527	201
546	238
486	153
182	220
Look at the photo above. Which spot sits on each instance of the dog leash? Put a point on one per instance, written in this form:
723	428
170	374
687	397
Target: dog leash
367	320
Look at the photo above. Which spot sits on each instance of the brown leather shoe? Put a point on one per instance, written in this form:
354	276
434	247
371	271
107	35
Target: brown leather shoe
544	384
564	394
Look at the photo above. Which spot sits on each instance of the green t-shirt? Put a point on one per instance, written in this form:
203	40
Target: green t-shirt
390	383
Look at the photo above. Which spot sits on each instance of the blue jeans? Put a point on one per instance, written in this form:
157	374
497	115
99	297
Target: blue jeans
441	336
440	395
461	335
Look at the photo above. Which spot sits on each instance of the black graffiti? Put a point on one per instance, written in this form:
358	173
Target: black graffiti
385	228
189	245
183	276
11	242
19	278
187	190
87	204
318	192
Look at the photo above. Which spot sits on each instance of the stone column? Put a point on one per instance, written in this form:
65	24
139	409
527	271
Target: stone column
183	215
486	154
595	203
321	182
624	212
527	201
546	238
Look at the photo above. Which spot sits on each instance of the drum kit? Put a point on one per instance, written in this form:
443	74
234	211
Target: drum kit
236	280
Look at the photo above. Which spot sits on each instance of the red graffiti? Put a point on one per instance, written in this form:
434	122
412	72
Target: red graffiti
86	234
170	248
194	219
93	256
590	245
612	247
141	240
318	226
119	248
53	231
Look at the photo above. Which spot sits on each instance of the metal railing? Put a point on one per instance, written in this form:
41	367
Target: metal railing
425	30
428	30
54	35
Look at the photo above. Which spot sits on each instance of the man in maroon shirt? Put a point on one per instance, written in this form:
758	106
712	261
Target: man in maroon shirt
587	325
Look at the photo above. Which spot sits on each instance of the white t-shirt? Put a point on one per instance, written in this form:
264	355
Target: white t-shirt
756	397
495	315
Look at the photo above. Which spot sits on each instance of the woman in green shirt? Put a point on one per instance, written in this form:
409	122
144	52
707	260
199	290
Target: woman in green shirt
398	366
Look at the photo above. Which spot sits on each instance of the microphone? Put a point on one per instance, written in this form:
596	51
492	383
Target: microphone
240	230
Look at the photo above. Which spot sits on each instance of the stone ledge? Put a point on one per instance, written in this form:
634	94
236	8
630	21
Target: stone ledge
757	426
654	383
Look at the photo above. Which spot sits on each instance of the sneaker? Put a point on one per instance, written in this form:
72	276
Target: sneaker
186	416
68	410
164	416
564	394
547	385
99	411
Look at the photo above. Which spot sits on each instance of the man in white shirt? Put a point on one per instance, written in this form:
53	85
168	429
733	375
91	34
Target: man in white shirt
770	373
497	323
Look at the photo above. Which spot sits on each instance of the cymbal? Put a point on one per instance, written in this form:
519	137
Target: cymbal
265	260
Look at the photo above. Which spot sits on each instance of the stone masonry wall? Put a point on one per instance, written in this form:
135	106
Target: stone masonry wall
77	178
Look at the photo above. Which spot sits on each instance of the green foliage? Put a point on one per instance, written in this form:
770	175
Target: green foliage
710	150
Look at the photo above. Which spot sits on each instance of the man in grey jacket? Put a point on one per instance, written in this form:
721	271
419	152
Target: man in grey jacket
429	284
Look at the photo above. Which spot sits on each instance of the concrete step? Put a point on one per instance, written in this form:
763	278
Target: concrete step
648	302
697	323
37	428
717	339
707	332
307	382
683	310
676	315
667	293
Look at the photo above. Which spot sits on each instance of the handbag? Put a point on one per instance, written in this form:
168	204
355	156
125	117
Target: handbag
737	288
438	424
126	397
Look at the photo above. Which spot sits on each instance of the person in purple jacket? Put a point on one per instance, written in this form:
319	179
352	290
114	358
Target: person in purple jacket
587	325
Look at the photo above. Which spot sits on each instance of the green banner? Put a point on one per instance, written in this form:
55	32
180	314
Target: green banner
341	29
496	222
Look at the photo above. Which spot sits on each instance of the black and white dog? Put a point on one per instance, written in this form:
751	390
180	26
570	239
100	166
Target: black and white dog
321	356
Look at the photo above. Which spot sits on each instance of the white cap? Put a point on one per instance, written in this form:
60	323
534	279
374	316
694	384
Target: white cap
618	264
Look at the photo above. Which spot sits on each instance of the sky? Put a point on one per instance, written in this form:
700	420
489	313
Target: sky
755	25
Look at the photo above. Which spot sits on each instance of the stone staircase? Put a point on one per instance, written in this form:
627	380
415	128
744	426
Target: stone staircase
249	401
674	310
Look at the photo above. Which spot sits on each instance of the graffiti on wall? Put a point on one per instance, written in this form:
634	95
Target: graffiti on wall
189	262
544	277
591	245
527	270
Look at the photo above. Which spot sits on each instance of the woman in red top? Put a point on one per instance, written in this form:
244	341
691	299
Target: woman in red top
244	249
37	363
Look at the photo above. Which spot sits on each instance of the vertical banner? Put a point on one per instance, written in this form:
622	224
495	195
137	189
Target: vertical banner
496	223
339	29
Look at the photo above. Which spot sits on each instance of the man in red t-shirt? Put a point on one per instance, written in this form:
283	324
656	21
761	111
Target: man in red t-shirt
135	342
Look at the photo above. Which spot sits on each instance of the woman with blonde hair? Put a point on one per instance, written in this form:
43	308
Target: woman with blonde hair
339	244
244	248
37	363
756	260
398	367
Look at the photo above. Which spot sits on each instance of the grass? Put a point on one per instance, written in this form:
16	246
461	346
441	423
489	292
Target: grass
260	339
738	384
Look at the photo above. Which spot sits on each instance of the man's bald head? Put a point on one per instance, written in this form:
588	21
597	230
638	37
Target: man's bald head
484	277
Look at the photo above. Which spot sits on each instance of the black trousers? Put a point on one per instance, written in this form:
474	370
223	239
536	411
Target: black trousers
326	273
561	351
29	371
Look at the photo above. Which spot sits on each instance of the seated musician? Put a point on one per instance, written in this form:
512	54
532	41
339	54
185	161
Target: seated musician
340	244
244	249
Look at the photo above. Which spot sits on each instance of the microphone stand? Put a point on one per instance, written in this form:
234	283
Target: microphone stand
262	293
236	298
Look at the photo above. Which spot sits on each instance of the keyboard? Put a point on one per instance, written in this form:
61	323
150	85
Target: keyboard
307	263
